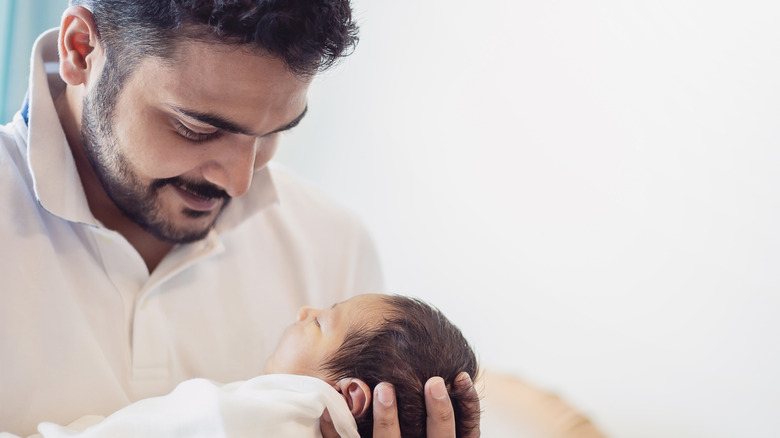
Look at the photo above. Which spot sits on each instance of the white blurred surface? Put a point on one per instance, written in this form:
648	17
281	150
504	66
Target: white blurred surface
590	190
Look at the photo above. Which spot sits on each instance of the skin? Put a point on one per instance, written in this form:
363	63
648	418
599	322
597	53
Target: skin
318	333
255	94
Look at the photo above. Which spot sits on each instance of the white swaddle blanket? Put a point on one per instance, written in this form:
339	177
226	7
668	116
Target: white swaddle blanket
275	405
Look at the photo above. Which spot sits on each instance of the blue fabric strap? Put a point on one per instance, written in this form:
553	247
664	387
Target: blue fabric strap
26	109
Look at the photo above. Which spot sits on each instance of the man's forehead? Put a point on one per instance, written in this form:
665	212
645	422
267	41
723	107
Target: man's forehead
209	48
203	54
237	88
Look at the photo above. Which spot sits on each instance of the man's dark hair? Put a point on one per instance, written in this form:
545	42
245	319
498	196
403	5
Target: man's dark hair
307	35
414	343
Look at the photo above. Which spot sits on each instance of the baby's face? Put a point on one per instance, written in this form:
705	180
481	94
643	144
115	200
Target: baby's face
318	333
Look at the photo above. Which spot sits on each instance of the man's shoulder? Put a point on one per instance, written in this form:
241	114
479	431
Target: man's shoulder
14	171
308	218
299	196
8	143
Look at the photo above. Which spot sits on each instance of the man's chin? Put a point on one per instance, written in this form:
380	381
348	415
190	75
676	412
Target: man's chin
178	234
190	226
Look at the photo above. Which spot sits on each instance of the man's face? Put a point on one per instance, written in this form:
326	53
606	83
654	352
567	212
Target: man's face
184	137
318	333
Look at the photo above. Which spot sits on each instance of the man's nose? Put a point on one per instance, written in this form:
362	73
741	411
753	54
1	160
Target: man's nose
232	166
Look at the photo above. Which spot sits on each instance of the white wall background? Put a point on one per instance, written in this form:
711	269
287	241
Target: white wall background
589	189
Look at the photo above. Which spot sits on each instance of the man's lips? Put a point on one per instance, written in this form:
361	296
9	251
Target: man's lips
196	202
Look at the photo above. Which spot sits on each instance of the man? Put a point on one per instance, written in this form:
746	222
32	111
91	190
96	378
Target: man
144	237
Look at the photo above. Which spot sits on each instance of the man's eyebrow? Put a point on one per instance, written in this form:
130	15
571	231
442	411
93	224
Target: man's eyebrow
227	125
292	124
216	121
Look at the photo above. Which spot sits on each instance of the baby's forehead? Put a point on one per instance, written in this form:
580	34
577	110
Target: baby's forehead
366	311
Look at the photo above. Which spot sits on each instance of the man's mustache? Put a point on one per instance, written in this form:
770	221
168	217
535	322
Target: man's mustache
202	189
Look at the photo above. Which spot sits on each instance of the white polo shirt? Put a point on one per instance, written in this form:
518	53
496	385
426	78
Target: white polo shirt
85	329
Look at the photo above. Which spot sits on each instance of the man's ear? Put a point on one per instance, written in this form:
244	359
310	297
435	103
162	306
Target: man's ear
78	41
356	393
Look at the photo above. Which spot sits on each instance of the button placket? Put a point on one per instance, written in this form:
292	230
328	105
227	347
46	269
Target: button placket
151	344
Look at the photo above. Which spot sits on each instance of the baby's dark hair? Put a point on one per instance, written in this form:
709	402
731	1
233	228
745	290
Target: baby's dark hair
414	343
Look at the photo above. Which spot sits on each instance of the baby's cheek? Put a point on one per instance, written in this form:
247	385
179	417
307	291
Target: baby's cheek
284	356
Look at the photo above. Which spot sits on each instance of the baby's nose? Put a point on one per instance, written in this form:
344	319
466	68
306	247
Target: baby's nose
303	313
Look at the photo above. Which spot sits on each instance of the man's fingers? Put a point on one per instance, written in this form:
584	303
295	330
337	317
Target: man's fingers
441	416
386	412
463	383
326	426
441	419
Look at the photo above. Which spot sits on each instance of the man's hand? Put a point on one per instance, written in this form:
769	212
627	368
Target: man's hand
441	419
385	412
385	415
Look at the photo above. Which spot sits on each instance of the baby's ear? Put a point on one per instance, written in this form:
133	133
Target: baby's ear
356	393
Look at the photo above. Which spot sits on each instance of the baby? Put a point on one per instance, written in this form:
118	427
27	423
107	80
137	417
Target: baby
345	351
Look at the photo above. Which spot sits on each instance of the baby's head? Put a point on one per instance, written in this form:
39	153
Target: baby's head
368	339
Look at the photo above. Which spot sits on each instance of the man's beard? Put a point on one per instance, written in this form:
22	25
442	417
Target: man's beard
137	202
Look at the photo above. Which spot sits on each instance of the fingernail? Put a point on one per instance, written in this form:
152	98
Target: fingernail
384	393
438	390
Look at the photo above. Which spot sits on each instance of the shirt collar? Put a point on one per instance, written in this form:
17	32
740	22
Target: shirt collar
56	182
